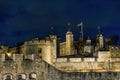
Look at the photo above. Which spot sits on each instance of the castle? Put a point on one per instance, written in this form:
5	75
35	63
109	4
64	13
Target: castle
50	59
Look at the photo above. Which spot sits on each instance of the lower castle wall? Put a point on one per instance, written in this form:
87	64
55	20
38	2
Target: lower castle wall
45	71
76	64
85	60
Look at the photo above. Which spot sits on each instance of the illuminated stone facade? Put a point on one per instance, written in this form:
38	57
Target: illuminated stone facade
49	59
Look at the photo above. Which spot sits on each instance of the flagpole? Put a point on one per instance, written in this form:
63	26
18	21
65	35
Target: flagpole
99	31
52	32
69	25
82	30
80	25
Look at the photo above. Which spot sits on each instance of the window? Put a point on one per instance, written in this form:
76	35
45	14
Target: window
32	76
21	77
7	77
39	50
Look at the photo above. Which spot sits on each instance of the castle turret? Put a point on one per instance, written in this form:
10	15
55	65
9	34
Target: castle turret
100	39
69	43
88	41
101	42
54	39
88	48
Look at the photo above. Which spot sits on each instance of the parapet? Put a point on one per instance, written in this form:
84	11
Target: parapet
29	56
37	42
103	56
72	60
15	57
61	60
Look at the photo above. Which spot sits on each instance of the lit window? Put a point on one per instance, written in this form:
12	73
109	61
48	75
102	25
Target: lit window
8	56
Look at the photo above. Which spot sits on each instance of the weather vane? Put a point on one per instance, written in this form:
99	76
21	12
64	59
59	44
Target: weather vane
69	26
52	30
99	29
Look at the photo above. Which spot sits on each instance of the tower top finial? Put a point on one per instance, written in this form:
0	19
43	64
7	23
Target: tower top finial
88	38
99	29
69	26
52	30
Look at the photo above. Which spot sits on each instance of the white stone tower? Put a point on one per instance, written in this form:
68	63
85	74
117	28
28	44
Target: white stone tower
101	42
88	47
100	39
54	50
69	43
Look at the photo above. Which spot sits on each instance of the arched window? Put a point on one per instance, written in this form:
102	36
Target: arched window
7	77
32	76
21	77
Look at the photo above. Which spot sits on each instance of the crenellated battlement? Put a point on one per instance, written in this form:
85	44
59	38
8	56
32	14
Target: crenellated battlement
73	60
38	42
87	64
13	57
70	56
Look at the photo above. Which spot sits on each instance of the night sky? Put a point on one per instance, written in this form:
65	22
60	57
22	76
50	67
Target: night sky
22	20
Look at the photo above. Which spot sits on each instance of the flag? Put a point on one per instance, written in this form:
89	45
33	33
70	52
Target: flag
79	24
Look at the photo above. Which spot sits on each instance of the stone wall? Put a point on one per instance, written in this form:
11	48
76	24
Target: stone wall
87	64
45	71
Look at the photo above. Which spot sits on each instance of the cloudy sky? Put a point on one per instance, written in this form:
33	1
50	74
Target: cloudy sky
22	20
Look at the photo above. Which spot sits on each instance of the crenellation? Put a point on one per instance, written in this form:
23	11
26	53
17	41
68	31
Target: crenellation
89	60
48	58
30	57
2	57
61	60
18	57
114	59
75	59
